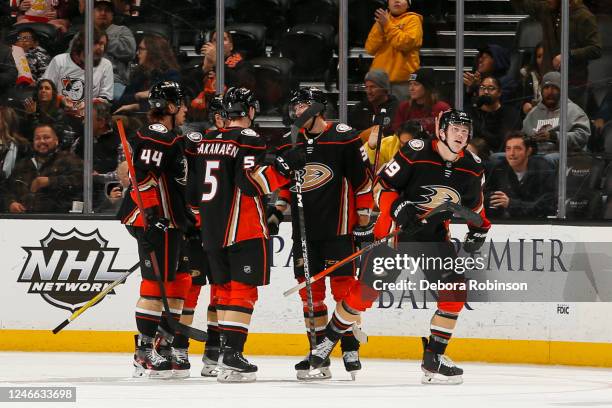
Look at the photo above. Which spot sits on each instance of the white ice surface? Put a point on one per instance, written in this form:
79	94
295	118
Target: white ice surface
104	380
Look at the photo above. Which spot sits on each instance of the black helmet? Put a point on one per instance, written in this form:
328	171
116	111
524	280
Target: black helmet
163	92
216	107
306	96
454	116
237	102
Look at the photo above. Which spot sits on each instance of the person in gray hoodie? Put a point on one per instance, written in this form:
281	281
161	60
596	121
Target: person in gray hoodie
542	122
121	48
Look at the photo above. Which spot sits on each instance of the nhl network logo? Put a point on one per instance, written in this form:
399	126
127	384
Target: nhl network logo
69	269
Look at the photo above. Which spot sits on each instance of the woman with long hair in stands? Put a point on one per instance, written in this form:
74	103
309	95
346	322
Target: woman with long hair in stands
13	146
156	63
45	106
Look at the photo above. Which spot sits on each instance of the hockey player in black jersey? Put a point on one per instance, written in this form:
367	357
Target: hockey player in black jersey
337	201
161	174
421	176
231	176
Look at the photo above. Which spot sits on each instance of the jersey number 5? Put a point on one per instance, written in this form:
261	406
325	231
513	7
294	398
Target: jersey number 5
211	179
148	156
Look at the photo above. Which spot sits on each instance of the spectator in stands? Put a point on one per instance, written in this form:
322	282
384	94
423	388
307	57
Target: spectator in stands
585	41
423	104
531	78
38	58
390	145
395	40
604	113
542	123
491	118
601	140
8	70
121	46
13	147
45	106
67	73
113	198
523	185
203	77
54	12
378	96
107	150
49	180
156	63
492	60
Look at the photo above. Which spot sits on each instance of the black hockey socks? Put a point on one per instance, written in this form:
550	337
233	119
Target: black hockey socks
440	336
234	330
348	342
320	317
164	325
147	321
180	340
213	328
339	325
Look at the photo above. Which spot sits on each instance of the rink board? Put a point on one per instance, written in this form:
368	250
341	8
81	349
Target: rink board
47	262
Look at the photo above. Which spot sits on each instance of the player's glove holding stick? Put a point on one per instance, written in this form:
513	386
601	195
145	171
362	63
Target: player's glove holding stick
364	233
290	160
405	215
474	239
274	217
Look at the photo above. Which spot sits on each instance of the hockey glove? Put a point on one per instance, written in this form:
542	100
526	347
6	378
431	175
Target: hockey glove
274	217
364	233
404	213
474	239
290	160
155	233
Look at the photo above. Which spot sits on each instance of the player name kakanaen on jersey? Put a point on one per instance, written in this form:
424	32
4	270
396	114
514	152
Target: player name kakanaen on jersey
218	148
424	284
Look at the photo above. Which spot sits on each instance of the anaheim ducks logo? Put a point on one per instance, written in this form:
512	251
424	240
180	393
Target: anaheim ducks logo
436	196
314	175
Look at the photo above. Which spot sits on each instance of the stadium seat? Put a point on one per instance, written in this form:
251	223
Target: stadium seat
600	81
273	83
583	192
160	29
46	33
361	19
249	39
313	11
528	35
310	47
271	13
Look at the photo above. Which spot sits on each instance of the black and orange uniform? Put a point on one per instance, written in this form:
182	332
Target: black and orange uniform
161	173
336	189
228	183
419	174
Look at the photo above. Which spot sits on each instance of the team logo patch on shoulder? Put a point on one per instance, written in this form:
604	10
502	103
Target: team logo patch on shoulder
194	136
249	132
341	127
158	127
416	144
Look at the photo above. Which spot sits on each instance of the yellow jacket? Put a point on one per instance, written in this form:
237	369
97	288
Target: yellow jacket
389	146
396	48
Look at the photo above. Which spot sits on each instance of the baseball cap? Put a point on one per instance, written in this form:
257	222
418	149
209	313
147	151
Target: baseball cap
552	78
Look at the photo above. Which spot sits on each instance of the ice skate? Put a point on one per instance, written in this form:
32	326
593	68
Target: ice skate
180	362
210	360
148	363
233	367
303	371
439	369
352	364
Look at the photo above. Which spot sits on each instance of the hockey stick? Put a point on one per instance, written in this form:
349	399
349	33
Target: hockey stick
313	110
93	301
191	332
456	209
383	116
